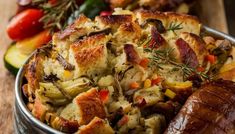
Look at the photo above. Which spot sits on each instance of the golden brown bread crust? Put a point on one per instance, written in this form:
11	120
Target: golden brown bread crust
159	5
90	106
74	28
189	23
33	74
208	110
89	42
145	14
91	52
96	126
89	56
113	21
129	31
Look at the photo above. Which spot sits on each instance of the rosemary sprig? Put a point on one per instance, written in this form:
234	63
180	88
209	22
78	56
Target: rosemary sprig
56	15
174	26
160	57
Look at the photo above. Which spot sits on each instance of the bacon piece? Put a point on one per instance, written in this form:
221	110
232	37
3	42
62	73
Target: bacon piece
113	21
187	55
131	54
156	39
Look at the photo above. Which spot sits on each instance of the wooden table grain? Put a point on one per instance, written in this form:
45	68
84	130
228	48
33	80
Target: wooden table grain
8	8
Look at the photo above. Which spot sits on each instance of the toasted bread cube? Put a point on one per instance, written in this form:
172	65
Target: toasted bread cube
85	107
89	55
127	32
96	126
188	23
151	95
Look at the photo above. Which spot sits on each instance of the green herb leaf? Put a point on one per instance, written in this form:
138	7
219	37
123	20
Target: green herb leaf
161	57
90	8
64	12
174	26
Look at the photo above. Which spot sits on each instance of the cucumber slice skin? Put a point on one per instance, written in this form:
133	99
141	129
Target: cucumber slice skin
13	52
10	68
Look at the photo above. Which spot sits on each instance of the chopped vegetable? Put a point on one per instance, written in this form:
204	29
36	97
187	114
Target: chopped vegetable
147	83
156	81
134	85
68	74
200	69
13	59
222	53
170	94
104	95
211	58
144	62
28	45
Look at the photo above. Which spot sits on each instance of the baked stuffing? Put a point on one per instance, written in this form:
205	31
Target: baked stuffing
129	72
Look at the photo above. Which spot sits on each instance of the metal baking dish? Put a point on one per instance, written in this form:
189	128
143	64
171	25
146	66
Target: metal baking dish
25	123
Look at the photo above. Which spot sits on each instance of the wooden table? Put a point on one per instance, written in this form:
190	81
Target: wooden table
6	79
8	8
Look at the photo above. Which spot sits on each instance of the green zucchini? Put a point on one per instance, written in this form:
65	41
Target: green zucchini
13	59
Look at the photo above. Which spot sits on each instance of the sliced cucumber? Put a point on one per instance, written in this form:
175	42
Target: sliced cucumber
13	59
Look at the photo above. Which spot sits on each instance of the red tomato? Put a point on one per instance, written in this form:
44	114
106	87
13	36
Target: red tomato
25	24
105	13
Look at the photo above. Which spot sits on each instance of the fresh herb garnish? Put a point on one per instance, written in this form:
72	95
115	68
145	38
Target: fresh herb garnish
64	12
56	15
174	26
162	57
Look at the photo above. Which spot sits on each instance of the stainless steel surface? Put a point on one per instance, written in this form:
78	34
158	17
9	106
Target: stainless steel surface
24	120
218	34
27	124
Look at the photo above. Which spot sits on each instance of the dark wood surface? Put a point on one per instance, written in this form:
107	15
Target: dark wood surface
230	14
